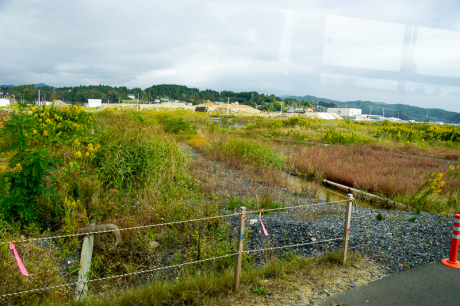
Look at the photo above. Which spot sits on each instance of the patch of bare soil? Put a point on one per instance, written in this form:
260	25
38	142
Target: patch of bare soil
309	286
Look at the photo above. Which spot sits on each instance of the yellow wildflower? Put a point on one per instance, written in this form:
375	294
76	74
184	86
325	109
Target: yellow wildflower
18	168
76	143
45	133
35	132
78	154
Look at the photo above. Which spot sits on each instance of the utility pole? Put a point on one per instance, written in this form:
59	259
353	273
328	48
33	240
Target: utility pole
281	111
137	101
383	113
228	104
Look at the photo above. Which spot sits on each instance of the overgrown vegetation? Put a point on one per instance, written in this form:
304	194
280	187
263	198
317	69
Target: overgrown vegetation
63	168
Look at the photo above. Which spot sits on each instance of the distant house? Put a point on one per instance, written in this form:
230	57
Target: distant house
235	103
309	110
164	99
4	102
94	103
156	100
131	96
351	113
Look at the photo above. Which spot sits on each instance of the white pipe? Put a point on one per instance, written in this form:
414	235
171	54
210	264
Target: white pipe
349	190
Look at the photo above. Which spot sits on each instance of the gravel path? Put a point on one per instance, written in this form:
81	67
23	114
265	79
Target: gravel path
396	242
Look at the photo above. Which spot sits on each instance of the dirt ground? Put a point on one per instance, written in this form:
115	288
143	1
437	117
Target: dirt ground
238	110
309	286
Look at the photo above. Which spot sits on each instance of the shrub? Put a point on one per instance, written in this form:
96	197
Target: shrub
28	175
176	125
131	162
344	137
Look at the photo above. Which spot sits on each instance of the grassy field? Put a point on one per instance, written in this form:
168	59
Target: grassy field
63	168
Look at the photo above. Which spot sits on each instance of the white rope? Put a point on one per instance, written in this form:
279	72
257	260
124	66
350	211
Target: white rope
298	206
121	229
161	224
291	246
117	276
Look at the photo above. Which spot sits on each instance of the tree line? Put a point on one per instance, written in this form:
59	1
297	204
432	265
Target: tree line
111	94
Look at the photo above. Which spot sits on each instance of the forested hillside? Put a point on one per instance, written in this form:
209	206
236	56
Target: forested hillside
80	94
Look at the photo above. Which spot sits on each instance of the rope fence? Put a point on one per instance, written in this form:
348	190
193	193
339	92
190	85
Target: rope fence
292	245
121	229
163	224
117	276
238	254
297	206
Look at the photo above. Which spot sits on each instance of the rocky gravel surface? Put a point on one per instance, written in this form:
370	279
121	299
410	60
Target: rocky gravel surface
401	241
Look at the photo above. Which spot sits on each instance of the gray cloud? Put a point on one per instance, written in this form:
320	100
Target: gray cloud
268	46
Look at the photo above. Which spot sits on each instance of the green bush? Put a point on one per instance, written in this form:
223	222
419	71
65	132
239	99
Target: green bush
131	162
28	175
344	137
176	125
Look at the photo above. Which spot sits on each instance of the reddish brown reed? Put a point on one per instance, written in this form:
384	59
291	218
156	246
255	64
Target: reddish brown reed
378	172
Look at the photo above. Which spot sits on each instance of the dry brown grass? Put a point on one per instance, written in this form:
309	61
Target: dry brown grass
442	153
4	116
375	171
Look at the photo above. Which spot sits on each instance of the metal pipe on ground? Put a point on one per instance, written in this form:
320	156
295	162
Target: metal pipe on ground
367	194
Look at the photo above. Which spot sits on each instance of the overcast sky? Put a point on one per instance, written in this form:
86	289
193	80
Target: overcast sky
393	51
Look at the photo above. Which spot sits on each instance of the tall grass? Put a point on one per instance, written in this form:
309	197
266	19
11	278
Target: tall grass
238	152
383	173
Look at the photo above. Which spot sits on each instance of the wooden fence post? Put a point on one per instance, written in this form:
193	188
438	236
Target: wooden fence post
239	248
346	228
85	265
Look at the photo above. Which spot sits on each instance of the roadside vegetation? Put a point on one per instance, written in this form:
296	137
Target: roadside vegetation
62	169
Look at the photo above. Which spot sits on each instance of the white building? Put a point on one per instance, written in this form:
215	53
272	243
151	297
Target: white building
391	119
164	99
4	102
156	100
131	96
94	103
345	112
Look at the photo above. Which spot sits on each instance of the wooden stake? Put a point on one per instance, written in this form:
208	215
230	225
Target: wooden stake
346	228
239	248
85	266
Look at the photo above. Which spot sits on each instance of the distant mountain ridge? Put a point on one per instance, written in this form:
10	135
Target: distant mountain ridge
35	85
403	111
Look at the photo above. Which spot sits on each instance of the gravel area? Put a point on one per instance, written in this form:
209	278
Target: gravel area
402	241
